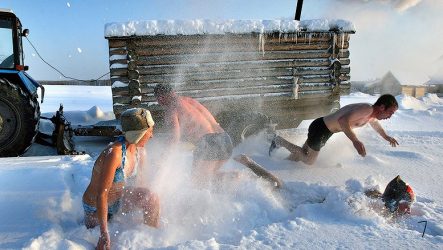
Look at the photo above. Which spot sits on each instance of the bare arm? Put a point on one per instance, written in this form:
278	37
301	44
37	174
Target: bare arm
141	155
172	120
359	113
204	111
105	178
377	127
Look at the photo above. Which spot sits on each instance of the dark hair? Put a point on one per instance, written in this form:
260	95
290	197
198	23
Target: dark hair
387	100
162	89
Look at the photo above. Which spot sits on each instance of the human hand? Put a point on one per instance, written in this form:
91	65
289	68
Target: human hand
360	147
104	242
392	141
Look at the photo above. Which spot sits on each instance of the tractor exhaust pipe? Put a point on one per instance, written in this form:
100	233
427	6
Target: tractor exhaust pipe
298	10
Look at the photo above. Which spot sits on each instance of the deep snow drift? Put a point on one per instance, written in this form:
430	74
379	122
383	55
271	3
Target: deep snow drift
321	206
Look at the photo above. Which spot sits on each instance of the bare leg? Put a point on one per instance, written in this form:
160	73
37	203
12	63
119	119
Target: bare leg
259	170
208	172
304	154
143	199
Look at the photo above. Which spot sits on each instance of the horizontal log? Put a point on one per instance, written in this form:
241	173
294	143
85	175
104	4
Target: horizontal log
213	48
118	51
226	43
119	61
316	79
229	83
301	64
228	48
235	76
236	57
261	90
118	43
319	62
206	67
119	72
223	84
299	37
303	89
234	91
201	68
270	102
239	82
216	75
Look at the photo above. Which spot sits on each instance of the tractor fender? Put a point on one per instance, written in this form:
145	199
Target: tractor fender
27	83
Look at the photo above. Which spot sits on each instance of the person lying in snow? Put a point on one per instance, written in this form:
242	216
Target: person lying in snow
397	197
116	166
343	120
190	121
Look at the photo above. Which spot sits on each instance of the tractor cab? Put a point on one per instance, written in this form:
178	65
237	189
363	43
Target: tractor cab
11	49
12	66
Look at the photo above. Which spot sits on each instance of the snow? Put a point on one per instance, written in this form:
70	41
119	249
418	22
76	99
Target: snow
119	84
41	195
202	26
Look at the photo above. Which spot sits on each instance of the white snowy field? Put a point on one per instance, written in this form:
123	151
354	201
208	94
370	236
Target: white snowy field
41	207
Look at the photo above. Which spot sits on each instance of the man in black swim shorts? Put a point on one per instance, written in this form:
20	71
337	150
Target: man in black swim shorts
343	120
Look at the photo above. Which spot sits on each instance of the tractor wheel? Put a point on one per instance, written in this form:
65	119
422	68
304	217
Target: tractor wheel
241	125
19	118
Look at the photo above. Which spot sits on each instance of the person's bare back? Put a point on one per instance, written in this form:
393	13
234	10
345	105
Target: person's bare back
359	115
195	120
190	121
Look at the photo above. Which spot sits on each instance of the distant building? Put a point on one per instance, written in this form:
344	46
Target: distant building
435	85
388	84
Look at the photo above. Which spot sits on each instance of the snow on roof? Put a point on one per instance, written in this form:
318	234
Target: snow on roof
200	27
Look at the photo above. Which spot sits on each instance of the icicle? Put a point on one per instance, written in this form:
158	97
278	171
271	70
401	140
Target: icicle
279	37
342	42
333	45
261	43
260	38
310	37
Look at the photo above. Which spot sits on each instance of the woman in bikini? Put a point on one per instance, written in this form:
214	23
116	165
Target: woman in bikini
114	170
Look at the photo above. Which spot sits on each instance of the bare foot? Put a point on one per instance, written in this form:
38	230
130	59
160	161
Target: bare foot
242	158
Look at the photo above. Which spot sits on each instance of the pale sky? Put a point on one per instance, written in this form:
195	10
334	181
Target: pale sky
403	36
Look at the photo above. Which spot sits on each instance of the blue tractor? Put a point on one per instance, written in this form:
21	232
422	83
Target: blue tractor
19	107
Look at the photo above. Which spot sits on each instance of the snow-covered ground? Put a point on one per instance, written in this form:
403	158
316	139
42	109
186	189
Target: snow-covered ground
41	208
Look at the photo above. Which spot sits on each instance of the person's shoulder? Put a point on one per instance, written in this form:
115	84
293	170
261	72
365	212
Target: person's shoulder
365	108
358	108
113	150
188	99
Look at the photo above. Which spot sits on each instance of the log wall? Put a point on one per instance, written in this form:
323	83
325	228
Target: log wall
289	77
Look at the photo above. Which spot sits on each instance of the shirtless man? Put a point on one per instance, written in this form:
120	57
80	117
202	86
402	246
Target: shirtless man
344	120
192	122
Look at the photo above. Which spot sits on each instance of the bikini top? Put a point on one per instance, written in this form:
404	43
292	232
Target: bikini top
119	175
